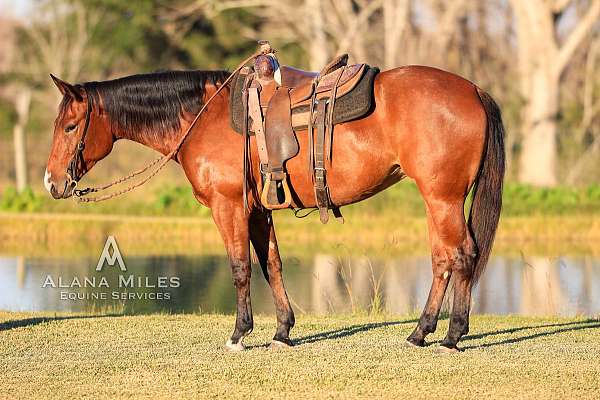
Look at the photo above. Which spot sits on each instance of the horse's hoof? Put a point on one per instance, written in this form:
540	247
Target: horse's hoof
230	346
412	345
280	344
447	350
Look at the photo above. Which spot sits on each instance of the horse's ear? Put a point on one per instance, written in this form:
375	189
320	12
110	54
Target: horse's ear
66	88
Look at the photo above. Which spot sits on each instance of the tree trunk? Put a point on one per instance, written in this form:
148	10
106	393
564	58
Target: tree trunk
319	54
539	148
395	19
542	60
22	103
539	87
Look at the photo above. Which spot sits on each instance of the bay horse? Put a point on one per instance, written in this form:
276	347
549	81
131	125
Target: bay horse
427	124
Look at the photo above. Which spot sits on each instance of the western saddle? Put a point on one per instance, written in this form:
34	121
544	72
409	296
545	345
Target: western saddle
276	101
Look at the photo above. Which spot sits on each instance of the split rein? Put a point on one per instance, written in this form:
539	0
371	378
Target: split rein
81	195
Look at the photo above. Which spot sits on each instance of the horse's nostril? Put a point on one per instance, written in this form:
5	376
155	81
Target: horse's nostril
55	193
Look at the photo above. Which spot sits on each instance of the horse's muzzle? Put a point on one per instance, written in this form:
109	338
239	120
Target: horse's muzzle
65	193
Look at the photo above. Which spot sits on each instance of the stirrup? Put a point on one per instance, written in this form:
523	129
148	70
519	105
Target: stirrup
264	198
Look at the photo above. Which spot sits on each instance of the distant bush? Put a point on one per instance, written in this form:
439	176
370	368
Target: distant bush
518	200
179	200
526	200
26	201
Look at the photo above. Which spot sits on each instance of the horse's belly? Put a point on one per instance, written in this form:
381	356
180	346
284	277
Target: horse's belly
361	166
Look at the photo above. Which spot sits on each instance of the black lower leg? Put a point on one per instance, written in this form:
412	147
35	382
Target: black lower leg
285	315
241	279
428	320
459	326
426	325
285	322
283	310
459	319
264	240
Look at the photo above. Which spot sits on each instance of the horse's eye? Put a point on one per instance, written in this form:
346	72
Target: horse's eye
70	128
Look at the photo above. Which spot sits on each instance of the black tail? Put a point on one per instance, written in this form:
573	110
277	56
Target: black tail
487	190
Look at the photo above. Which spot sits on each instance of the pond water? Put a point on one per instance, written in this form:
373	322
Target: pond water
319	283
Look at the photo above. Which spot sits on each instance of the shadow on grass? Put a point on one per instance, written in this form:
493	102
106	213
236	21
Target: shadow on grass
549	329
345	332
21	323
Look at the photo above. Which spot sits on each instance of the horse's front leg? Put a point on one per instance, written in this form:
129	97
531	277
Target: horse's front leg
232	223
262	234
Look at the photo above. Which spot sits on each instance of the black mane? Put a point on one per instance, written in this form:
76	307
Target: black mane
152	103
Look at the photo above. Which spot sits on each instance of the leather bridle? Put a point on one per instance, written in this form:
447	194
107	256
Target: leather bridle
77	160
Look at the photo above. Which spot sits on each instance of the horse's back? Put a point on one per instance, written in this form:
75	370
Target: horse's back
438	119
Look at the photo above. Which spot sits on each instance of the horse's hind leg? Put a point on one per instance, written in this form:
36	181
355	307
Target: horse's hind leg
232	223
452	255
262	234
441	276
463	279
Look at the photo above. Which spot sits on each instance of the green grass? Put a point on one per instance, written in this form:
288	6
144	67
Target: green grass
181	356
168	200
402	199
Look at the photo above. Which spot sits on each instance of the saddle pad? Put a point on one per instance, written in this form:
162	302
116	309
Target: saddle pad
353	105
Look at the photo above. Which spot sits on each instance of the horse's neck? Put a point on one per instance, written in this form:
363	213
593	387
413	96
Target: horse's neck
163	143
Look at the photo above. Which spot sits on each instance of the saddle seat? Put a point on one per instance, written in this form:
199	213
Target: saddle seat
293	77
350	76
303	84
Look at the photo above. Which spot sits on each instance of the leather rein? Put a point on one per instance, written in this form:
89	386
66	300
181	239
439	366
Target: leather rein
78	160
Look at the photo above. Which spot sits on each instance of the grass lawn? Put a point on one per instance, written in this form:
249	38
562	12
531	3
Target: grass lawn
181	356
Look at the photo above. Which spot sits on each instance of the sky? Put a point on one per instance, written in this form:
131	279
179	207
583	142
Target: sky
16	8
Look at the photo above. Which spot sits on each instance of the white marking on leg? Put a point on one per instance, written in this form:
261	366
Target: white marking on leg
276	344
271	245
239	346
446	273
47	183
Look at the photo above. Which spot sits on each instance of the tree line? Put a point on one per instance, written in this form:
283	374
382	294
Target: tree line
538	58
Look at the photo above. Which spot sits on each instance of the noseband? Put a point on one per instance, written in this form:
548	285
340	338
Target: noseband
77	162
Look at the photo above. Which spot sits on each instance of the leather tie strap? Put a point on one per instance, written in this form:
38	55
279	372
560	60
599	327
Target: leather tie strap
331	108
321	194
311	134
245	95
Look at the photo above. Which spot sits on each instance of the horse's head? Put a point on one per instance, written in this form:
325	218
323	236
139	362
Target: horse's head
82	137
